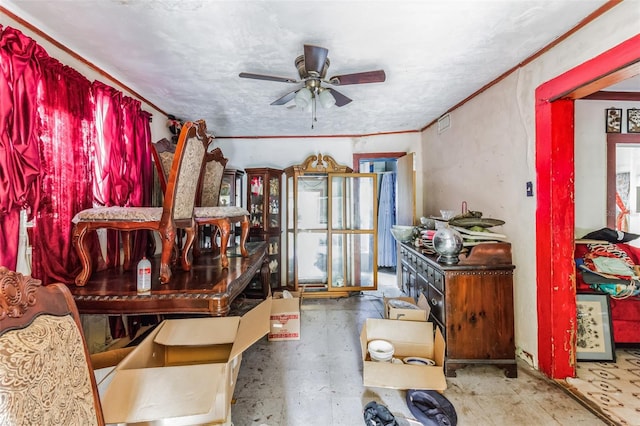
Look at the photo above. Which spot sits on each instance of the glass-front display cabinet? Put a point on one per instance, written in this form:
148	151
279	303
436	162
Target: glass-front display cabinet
232	189
331	228
264	200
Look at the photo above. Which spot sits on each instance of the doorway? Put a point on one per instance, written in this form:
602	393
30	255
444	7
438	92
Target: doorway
555	218
386	169
385	165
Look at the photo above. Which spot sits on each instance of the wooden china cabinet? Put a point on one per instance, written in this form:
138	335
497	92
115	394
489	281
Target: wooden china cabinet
331	228
264	202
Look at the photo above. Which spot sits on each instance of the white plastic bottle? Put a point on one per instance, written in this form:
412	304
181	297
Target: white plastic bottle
144	276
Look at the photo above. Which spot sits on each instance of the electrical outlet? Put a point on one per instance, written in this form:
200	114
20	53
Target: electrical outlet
529	189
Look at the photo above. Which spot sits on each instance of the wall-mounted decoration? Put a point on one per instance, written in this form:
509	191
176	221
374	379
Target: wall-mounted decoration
594	341
633	120
614	120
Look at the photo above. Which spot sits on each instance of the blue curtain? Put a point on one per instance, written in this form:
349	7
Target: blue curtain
387	218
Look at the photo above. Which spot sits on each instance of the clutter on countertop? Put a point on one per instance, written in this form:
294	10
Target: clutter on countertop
473	228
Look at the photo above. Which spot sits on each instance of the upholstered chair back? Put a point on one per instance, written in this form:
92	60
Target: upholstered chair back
163	153
45	372
187	165
211	180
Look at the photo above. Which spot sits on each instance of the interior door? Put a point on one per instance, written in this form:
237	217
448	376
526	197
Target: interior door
406	194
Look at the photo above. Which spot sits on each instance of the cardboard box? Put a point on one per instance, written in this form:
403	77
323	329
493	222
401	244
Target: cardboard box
184	372
409	338
421	314
285	317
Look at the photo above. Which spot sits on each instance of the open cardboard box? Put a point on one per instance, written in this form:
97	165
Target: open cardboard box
421	314
409	338
285	317
184	372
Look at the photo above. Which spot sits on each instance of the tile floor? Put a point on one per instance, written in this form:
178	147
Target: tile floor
611	386
318	379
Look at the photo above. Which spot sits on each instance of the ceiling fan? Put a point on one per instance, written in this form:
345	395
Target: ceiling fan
312	69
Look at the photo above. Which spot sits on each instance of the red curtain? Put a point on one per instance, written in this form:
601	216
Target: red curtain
140	167
66	132
77	143
19	156
123	159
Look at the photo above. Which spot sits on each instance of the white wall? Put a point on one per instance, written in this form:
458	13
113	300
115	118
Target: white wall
591	162
488	155
159	128
280	153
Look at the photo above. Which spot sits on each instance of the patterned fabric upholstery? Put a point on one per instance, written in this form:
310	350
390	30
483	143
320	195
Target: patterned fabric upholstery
166	160
44	375
189	176
130	214
219	212
211	183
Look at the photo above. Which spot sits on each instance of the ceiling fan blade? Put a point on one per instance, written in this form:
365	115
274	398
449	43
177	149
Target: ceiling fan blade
286	98
267	77
314	58
377	76
341	100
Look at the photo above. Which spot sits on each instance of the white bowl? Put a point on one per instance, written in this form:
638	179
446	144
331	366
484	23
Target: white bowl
402	233
418	361
380	350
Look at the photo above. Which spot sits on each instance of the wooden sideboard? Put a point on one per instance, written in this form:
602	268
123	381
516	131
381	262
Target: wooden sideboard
471	302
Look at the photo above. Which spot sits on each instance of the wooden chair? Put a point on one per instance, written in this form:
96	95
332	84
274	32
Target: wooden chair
177	211
45	370
207	210
208	195
211	179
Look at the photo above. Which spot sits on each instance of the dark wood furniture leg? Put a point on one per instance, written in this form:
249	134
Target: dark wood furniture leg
225	230
244	233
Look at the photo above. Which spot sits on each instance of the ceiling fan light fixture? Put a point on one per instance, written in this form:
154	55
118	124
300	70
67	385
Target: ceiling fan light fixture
303	98
326	99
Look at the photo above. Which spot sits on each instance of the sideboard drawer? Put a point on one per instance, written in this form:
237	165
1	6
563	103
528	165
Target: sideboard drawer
436	302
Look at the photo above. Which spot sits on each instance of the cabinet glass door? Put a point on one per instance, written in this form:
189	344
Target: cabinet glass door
311	226
274	202
352	231
291	233
256	201
352	261
312	203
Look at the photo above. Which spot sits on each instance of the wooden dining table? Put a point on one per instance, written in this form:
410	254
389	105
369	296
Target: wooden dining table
206	289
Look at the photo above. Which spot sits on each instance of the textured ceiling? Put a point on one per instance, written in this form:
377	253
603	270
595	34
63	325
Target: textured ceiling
184	56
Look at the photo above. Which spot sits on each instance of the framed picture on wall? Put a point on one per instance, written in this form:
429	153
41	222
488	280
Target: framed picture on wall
613	118
633	120
594	340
